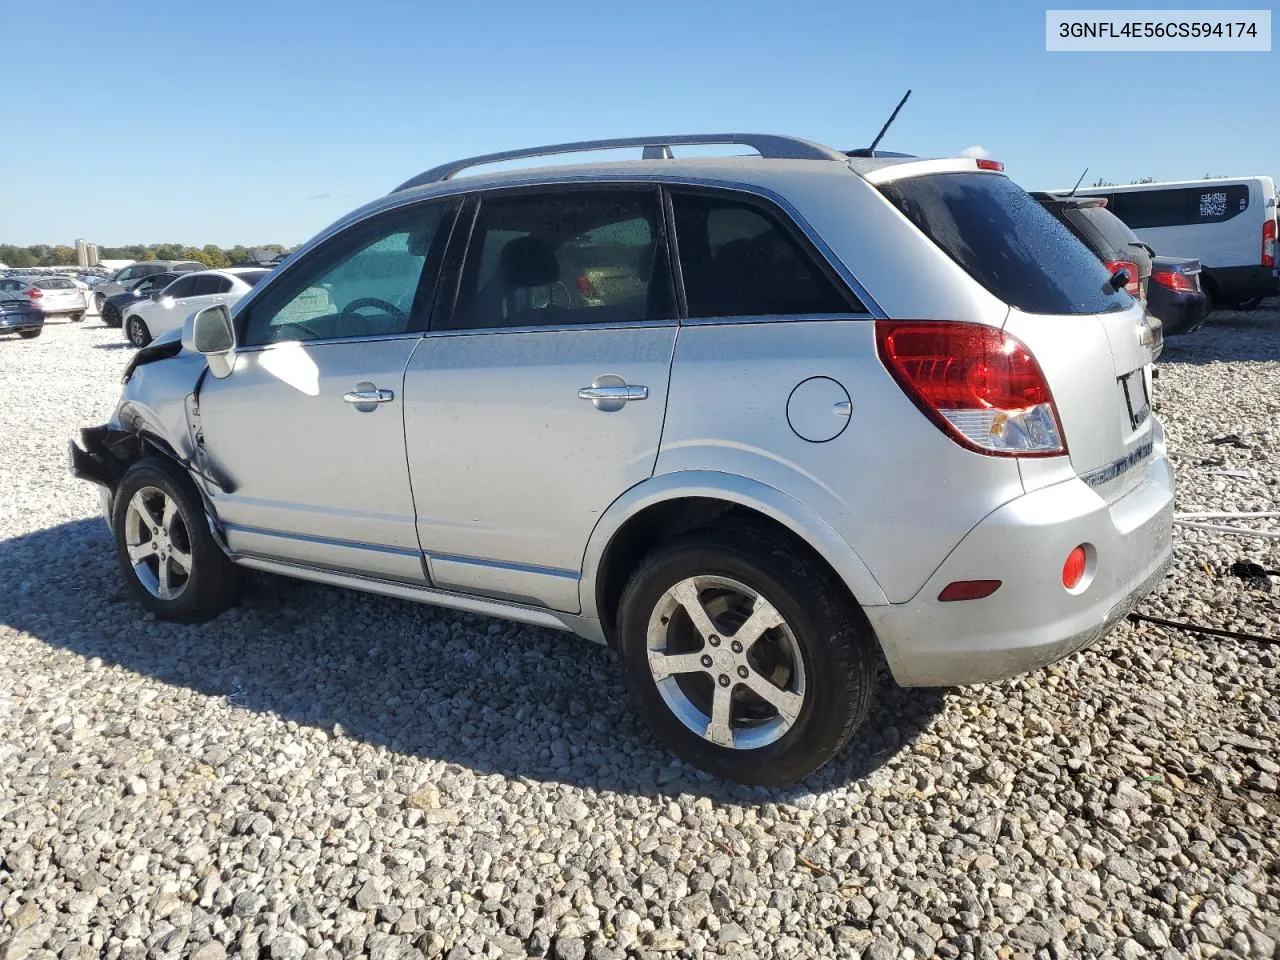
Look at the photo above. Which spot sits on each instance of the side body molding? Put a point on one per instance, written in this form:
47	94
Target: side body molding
741	491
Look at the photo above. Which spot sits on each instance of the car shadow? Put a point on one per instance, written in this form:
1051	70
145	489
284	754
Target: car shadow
1230	335
122	345
288	647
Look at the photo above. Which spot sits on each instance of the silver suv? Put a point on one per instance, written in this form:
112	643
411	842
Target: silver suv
751	421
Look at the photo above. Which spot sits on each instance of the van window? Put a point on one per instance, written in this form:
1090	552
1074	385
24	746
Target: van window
1008	242
1181	206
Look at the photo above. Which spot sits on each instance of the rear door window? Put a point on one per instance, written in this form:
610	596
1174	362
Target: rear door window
183	287
1006	241
210	284
739	260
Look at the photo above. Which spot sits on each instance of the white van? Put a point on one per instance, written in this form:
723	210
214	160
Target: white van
1229	225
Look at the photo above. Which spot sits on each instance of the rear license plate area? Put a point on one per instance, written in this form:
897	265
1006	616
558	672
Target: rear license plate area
1136	400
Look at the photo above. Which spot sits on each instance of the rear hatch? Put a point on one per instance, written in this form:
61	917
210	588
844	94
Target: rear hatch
1091	340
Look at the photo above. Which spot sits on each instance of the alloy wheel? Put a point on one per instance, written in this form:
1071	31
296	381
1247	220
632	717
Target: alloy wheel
725	662
158	543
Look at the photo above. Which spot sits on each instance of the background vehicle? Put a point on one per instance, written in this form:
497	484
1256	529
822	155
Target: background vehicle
1111	241
54	295
712	462
131	274
113	309
18	314
1228	224
1174	295
166	309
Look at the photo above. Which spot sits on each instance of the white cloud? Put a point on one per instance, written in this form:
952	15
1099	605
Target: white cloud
975	152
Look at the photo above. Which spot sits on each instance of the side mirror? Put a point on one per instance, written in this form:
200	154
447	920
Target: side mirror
212	334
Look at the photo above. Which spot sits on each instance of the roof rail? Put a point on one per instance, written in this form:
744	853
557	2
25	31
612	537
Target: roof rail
768	145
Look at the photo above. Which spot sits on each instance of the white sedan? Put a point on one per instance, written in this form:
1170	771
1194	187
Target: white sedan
168	308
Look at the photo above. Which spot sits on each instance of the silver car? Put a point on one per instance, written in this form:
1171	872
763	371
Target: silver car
124	279
54	295
750	421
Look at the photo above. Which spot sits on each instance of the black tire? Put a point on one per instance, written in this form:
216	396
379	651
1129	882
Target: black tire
98	301
834	640
1249	304
137	331
30	334
76	317
111	315
213	582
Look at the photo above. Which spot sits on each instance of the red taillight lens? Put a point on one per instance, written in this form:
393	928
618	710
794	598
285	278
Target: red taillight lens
968	590
1174	281
1269	243
585	286
35	293
1073	569
1134	286
980	385
991	165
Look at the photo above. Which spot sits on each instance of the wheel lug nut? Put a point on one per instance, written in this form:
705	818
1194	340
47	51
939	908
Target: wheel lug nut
713	640
737	647
742	672
706	661
724	679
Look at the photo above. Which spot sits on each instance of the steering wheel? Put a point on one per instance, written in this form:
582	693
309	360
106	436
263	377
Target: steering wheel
388	308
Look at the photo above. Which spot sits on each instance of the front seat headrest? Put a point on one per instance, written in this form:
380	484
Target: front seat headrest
529	262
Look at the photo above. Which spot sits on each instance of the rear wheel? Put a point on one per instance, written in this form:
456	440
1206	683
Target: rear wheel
137	332
111	315
748	660
164	548
76	317
30	334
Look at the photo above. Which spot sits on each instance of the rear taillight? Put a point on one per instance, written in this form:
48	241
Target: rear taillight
1174	280
1269	244
1134	286
585	286
980	385
35	293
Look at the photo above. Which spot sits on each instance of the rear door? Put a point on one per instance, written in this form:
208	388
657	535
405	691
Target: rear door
539	397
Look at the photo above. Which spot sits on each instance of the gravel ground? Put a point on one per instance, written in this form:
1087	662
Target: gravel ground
321	773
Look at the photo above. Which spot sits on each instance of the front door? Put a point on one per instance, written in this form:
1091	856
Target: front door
307	433
539	399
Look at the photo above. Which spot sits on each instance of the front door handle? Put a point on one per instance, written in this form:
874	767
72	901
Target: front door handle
368	396
611	393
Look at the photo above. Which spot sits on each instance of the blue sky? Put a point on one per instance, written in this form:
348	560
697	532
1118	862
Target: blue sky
285	115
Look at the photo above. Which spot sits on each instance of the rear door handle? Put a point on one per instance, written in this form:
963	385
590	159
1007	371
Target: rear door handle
368	396
623	393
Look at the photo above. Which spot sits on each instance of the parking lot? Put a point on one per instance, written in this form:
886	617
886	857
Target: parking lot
320	772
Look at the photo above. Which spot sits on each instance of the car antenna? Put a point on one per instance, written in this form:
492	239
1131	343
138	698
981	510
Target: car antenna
871	150
1078	182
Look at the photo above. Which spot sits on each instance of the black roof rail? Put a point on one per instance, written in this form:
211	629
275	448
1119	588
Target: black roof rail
768	145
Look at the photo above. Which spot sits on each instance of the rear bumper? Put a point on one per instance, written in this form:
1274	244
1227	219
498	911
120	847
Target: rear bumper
1032	620
1237	284
14	322
1179	312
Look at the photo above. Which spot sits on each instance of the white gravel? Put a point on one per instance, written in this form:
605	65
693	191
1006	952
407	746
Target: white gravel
322	773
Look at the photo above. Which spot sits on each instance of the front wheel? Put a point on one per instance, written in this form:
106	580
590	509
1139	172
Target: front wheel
164	548
137	332
748	660
98	301
30	334
111	315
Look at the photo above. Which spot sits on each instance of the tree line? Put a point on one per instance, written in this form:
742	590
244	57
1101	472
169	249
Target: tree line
60	255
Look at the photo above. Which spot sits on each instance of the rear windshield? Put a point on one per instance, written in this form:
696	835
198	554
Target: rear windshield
1112	228
1007	242
251	277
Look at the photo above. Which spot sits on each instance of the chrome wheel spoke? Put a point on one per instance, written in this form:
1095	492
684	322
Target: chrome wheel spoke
164	572
720	729
663	665
139	505
166	518
686	594
787	704
140	551
181	558
763	618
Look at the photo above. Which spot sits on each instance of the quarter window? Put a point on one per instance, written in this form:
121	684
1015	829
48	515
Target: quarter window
375	279
738	260
565	257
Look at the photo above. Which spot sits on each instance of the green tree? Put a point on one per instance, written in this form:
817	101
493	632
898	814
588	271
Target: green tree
63	256
1103	183
215	256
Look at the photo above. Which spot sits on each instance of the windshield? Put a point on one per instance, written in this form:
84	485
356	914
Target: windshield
1007	242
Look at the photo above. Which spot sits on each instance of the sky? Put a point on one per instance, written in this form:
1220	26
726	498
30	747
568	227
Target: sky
252	123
